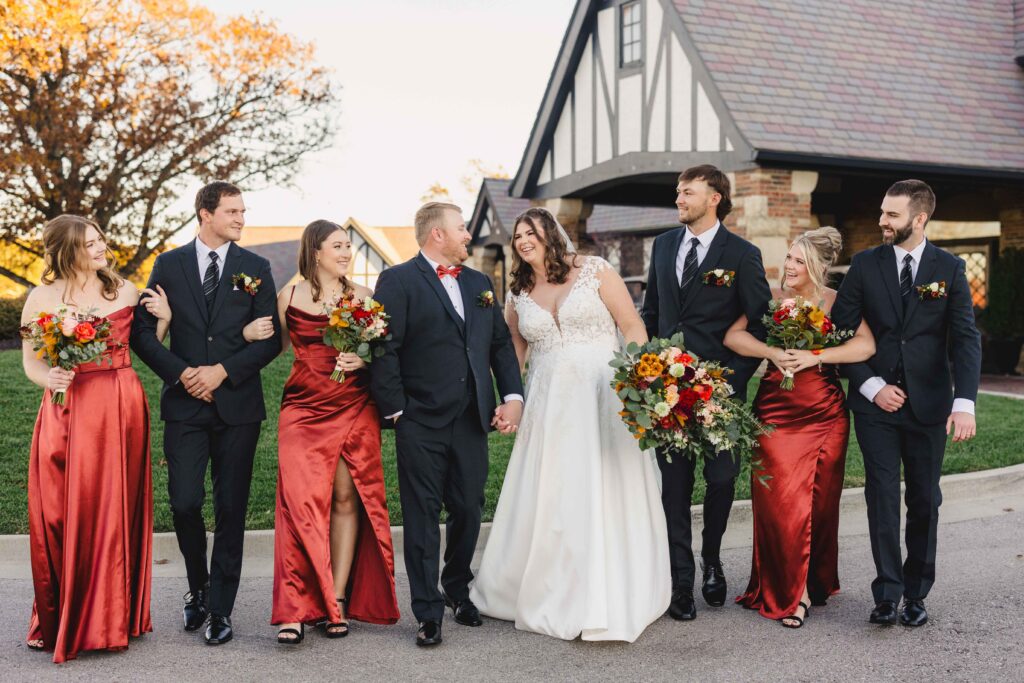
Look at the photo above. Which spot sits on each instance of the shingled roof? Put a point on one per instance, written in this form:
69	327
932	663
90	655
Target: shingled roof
922	81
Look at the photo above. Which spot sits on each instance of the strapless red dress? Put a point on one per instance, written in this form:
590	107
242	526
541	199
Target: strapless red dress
324	424
796	520
90	508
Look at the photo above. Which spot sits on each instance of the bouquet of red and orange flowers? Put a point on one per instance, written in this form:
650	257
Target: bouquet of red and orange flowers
674	400
67	340
799	324
356	327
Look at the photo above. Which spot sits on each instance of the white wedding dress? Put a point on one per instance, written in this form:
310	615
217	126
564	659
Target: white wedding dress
578	546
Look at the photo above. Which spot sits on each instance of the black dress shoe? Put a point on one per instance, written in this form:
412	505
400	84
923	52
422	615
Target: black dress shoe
429	633
465	611
218	631
884	613
913	613
194	610
682	607
713	589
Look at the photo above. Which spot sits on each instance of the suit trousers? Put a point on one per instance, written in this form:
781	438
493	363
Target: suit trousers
887	440
188	446
446	466
677	480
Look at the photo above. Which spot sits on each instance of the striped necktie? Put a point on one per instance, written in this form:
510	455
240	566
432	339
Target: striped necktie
906	279
689	266
211	279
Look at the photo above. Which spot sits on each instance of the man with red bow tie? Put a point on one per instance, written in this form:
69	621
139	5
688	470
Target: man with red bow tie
434	384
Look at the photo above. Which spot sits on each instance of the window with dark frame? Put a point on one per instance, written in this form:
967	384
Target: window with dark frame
630	35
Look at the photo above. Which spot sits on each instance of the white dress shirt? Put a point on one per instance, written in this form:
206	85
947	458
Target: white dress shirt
203	257
704	241
873	385
451	287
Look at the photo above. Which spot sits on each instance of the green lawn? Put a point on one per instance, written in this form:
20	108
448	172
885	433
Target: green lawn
998	444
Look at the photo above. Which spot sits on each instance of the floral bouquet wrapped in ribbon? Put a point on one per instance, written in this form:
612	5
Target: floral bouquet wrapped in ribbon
799	324
67	340
356	327
672	399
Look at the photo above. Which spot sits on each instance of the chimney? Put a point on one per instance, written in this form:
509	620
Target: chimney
1018	31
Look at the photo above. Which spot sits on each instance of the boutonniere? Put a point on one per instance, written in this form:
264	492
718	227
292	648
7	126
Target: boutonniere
249	284
933	290
485	299
719	277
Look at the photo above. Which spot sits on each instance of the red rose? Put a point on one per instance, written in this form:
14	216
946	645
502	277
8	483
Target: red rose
703	391
84	332
780	315
685	359
687	397
826	325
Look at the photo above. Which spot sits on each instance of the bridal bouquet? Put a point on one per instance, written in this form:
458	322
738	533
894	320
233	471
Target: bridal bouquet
674	400
356	327
67	340
799	324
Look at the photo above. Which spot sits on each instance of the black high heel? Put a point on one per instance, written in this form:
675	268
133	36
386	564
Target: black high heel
299	633
799	620
339	629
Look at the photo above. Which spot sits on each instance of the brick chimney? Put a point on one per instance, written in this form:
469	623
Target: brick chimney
1018	31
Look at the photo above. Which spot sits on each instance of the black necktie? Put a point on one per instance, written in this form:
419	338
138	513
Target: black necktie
210	279
906	279
689	266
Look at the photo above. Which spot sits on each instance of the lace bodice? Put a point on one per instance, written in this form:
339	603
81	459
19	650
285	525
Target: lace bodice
581	319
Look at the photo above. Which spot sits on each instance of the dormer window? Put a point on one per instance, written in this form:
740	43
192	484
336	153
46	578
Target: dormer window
630	35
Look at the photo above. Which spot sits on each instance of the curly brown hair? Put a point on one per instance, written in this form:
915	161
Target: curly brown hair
557	260
64	250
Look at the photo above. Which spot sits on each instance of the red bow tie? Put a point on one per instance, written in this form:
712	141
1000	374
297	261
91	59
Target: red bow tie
453	271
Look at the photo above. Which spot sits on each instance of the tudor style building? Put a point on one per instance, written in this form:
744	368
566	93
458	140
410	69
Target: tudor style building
813	108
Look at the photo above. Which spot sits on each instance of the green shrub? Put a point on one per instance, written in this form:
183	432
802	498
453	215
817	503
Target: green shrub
10	317
1004	316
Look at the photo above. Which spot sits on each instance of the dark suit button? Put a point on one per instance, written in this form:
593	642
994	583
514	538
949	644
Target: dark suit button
467	349
209	339
462	379
903	341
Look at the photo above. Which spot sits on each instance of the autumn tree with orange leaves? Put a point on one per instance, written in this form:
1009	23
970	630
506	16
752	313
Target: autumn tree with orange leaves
109	108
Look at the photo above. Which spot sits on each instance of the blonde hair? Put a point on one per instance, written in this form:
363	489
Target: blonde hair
63	248
428	216
821	248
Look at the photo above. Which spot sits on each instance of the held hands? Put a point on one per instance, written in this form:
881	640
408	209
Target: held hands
349	362
156	303
891	398
506	417
962	425
259	329
796	360
59	379
201	382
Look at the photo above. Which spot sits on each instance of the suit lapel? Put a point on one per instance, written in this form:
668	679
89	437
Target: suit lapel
668	266
231	266
925	271
434	282
710	262
468	302
887	264
190	267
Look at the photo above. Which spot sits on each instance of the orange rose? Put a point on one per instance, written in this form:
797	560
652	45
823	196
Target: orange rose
84	332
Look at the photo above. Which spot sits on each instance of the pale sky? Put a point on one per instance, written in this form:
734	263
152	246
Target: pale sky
426	86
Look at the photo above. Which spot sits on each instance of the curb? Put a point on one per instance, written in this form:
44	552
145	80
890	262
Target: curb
259	544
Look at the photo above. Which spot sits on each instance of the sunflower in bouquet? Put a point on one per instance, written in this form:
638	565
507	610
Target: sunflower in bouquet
358	327
799	324
67	340
674	400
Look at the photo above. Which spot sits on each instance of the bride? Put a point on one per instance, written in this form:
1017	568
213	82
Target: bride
578	546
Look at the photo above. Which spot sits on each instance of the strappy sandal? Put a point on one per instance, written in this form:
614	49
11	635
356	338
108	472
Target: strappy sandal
799	620
299	633
337	629
36	645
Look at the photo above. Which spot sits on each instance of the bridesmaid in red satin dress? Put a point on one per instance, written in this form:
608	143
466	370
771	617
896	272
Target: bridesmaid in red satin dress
333	556
796	520
89	490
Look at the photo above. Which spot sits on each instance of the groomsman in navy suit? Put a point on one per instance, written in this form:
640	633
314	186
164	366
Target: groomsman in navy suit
916	300
680	299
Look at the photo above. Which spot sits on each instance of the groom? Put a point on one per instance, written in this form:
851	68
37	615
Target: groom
916	300
679	300
212	400
434	384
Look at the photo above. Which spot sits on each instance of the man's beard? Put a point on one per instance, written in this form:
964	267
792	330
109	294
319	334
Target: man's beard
900	235
692	215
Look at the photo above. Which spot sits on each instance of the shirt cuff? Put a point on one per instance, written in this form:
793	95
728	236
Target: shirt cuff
963	405
871	387
514	397
394	416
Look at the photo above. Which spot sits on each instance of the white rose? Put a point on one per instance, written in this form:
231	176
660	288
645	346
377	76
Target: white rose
661	409
935	286
676	370
719	272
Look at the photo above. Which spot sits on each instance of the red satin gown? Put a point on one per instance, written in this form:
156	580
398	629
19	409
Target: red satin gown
90	508
796	520
324	425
